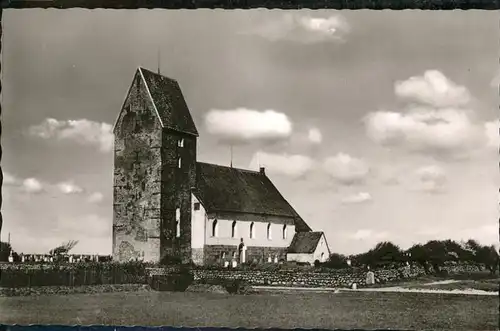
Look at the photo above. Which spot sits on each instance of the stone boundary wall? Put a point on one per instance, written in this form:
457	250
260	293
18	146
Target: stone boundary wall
218	254
334	278
330	278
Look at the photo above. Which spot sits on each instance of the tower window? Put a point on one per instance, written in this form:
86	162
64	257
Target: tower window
269	234
178	222
284	232
233	230
252	230
215	228
196	206
180	142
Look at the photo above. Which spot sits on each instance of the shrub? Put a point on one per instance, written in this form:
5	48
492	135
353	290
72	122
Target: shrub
233	286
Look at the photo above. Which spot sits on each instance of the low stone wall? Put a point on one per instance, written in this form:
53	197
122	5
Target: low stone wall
462	268
218	254
333	278
63	290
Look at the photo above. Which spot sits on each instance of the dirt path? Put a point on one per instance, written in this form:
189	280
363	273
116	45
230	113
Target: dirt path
381	289
441	282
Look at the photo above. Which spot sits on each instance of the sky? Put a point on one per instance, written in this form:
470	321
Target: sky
375	125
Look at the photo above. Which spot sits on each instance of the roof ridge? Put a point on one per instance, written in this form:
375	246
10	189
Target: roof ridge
233	168
141	68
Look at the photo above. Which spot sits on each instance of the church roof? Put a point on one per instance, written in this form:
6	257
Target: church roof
167	97
304	242
230	189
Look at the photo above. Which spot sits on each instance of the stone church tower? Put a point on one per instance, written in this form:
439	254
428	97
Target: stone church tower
154	172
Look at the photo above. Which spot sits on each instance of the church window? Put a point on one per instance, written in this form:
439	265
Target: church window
252	230
233	230
284	232
180	143
269	234
180	163
178	222
215	228
196	206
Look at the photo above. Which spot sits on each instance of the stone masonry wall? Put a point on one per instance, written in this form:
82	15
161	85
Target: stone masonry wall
218	254
137	169
332	278
176	188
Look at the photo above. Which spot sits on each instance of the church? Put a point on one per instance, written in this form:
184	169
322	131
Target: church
167	206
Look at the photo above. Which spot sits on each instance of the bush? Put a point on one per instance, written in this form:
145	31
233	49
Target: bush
233	286
176	282
84	273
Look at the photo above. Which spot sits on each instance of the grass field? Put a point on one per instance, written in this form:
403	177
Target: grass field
483	285
476	281
306	310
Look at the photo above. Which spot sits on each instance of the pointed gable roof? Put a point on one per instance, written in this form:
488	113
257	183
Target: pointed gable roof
169	103
304	242
229	189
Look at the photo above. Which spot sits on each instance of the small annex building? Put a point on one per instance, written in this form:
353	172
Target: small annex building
308	247
168	206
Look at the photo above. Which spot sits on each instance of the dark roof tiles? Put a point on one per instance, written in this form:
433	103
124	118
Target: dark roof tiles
169	101
304	242
229	189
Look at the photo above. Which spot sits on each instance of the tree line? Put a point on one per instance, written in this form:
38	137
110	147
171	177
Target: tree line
432	255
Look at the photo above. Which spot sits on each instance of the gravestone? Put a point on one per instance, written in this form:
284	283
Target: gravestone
370	278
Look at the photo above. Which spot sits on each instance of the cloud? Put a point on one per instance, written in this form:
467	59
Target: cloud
433	88
491	130
346	169
367	234
357	198
432	179
314	136
303	29
294	166
95	197
246	125
449	131
440	126
32	185
82	131
69	188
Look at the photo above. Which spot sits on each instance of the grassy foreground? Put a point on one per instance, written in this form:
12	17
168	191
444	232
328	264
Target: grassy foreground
306	310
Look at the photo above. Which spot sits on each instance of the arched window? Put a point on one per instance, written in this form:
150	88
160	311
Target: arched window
284	232
178	222
269	233
180	163
252	230
322	257
214	228
233	230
